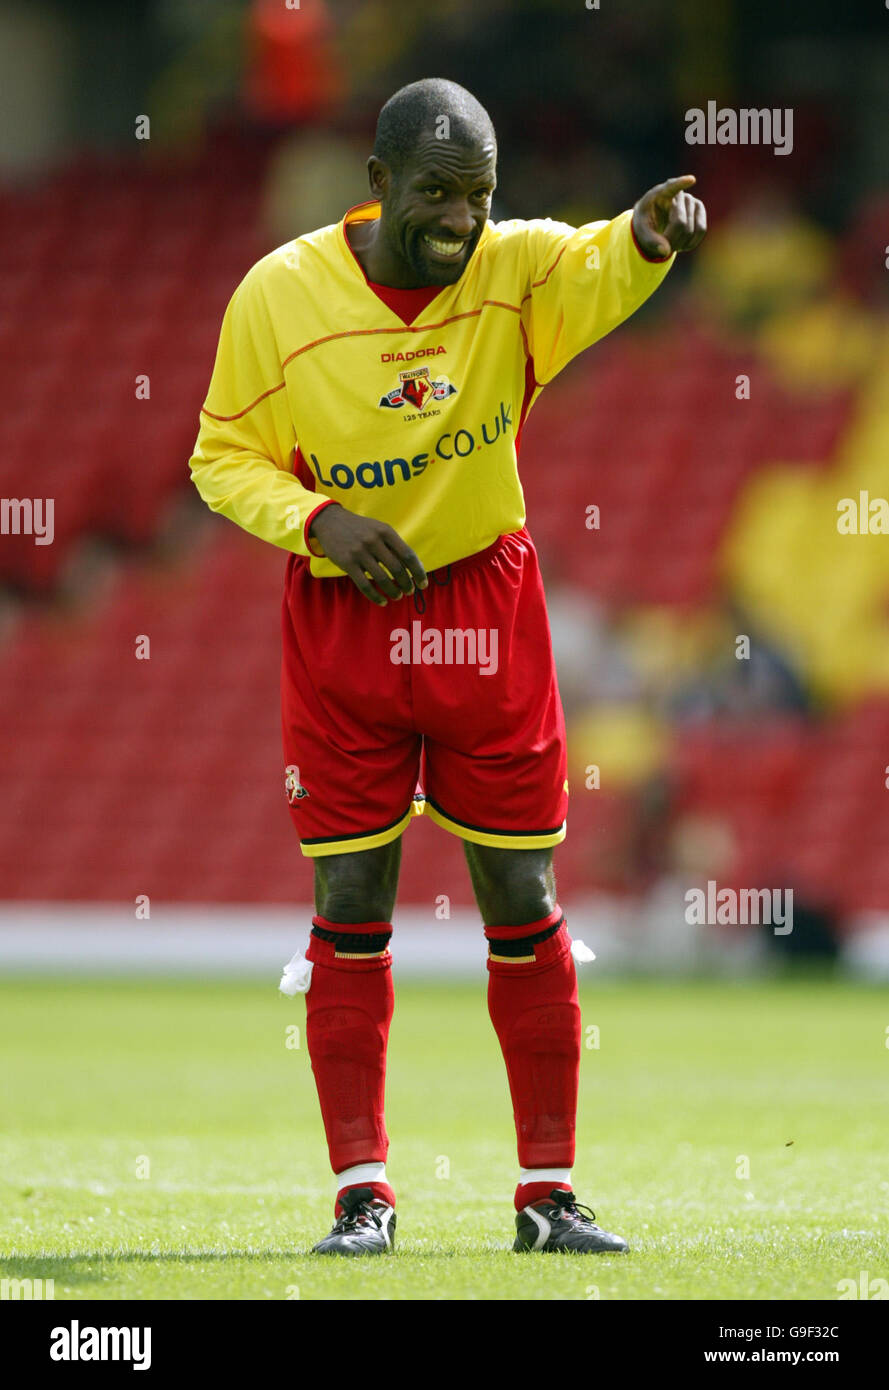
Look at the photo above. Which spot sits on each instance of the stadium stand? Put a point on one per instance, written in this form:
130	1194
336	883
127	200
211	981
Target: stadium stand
164	775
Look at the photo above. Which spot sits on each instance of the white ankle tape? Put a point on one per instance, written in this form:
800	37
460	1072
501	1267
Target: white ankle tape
361	1173
545	1175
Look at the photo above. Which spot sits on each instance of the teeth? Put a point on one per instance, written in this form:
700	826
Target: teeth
444	248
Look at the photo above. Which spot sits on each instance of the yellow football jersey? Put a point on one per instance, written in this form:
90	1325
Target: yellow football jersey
321	391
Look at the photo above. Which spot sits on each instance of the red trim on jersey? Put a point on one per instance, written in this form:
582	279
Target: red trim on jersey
407	304
302	471
327	502
425	328
375	332
304	474
371	203
366	333
535	284
531	384
652	260
270	392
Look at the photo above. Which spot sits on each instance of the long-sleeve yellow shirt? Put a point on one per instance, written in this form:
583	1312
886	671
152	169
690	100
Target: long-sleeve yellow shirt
320	391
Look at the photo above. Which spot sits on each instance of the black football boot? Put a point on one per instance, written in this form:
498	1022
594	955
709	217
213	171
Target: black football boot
558	1223
366	1227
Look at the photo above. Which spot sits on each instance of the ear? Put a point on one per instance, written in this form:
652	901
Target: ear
379	177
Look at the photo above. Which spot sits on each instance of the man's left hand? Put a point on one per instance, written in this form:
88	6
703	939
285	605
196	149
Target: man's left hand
667	218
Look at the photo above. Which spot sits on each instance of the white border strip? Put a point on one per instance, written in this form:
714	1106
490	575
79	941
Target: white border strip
82	938
256	942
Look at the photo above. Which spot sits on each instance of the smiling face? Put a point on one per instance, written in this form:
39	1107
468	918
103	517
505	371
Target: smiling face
433	211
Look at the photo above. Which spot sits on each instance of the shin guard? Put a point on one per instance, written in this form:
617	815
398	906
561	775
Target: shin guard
348	1011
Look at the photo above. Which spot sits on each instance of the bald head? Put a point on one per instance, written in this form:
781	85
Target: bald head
433	108
433	172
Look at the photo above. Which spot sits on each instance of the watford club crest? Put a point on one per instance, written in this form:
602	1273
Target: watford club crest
416	388
291	784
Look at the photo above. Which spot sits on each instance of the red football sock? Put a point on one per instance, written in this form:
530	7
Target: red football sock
348	1011
364	1175
378	1189
532	1000
527	1193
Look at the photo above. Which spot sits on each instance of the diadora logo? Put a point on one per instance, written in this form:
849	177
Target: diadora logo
460	444
412	354
417	388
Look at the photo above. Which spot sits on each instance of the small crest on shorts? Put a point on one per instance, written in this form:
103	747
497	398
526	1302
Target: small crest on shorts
291	784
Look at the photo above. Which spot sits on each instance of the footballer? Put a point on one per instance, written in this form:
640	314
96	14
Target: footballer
365	412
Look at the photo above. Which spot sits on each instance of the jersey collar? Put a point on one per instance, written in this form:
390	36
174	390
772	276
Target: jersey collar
361	212
369	212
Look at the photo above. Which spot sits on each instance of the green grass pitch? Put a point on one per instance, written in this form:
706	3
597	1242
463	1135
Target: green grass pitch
193	1087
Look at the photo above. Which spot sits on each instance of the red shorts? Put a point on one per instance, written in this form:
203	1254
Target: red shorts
443	702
